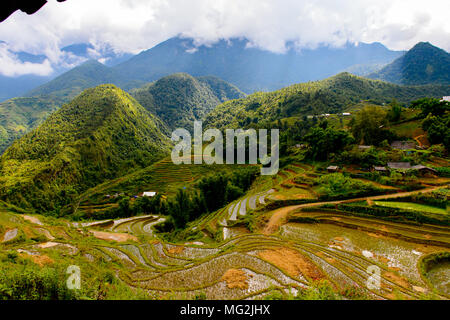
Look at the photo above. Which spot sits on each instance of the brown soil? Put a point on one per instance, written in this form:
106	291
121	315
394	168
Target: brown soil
40	260
396	279
109	236
422	140
374	235
292	262
383	259
235	278
176	250
277	219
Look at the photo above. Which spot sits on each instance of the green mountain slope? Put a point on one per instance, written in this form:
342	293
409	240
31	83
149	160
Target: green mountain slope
90	74
332	95
102	134
20	115
180	99
423	64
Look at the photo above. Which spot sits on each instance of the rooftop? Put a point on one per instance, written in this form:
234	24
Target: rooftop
399	165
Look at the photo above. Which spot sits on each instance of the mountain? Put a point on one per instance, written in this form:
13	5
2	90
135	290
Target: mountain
66	86
423	64
71	55
250	68
11	87
101	134
332	95
20	115
234	61
180	99
105	54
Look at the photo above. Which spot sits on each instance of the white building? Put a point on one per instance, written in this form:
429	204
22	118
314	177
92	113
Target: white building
446	98
149	194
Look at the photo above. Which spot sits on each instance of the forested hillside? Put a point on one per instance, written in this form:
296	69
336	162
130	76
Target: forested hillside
102	134
331	95
423	64
180	99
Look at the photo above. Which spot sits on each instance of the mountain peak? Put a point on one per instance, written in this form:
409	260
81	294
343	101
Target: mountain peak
101	134
423	64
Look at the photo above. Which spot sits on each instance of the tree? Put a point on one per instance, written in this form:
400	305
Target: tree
438	129
395	111
368	126
431	105
323	142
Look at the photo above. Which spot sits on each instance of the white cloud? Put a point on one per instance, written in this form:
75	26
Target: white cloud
135	25
11	66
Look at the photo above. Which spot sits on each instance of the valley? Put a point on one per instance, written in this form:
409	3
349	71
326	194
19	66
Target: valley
358	210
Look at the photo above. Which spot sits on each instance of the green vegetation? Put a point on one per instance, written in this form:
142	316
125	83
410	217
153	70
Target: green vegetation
368	126
180	99
20	115
423	64
100	135
392	214
410	206
332	95
338	186
68	85
324	142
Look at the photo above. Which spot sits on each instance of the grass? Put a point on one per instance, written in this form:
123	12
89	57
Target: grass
411	206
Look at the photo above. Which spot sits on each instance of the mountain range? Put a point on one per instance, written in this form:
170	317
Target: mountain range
234	60
332	95
178	99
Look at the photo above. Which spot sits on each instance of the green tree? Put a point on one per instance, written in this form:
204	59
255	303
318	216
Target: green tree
323	142
395	111
431	105
368	126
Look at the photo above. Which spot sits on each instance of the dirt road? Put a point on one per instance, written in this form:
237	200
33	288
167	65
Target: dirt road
279	216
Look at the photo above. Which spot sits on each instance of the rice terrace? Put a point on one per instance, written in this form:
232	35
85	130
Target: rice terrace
345	196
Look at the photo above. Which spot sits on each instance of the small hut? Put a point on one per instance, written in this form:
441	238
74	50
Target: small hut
332	169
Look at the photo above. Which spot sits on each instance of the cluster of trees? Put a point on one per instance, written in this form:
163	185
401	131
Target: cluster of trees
338	186
436	115
211	194
369	124
325	141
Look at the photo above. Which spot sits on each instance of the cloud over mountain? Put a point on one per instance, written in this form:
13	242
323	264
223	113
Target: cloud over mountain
132	26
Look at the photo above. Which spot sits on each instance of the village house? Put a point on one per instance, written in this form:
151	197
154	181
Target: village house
424	170
332	169
380	169
445	98
364	147
149	194
403	145
401	166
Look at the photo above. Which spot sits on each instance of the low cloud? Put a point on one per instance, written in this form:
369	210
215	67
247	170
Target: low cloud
12	66
134	25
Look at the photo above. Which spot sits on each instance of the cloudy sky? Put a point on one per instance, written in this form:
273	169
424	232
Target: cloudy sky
135	25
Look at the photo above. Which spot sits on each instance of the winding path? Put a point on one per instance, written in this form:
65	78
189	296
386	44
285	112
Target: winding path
279	216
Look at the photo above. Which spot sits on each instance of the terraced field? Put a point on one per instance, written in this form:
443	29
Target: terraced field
278	237
291	248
